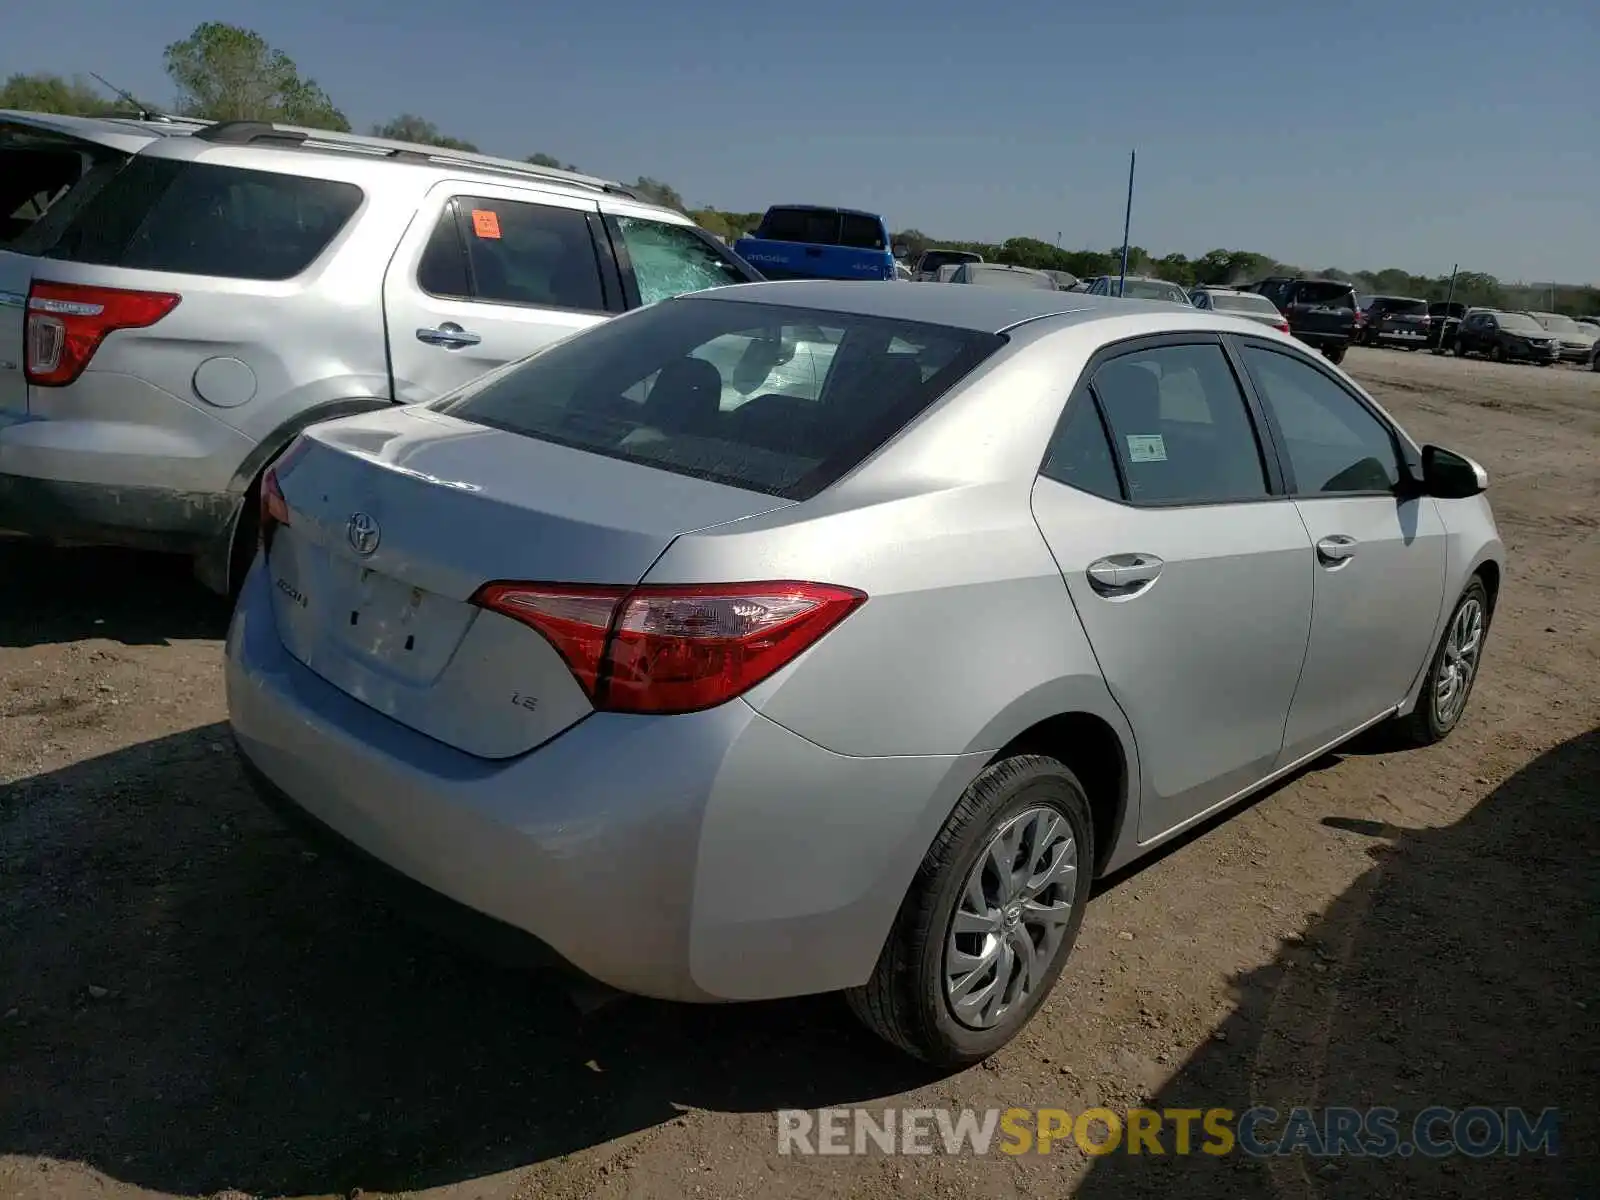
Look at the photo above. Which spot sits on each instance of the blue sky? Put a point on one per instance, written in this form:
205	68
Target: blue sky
1371	133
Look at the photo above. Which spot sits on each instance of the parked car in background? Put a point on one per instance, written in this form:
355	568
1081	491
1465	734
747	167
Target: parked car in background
1395	321
1002	275
1577	344
804	241
220	291
1066	281
1442	330
1506	337
729	692
947	271
1251	305
1139	287
927	268
1591	327
50	162
1320	312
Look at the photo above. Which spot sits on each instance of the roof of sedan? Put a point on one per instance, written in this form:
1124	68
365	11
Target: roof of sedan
990	310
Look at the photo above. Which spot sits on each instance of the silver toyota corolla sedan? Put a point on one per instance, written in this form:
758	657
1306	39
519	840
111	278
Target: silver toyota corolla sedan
802	637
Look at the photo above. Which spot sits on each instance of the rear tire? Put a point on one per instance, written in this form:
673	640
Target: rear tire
1038	804
1434	717
1334	354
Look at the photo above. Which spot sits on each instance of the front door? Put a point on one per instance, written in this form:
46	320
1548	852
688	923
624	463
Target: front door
1191	576
1380	555
488	274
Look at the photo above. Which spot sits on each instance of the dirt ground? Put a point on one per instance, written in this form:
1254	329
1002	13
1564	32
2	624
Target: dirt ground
191	1003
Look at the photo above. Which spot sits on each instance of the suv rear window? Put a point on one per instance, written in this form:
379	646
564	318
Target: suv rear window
767	398
1336	295
932	260
200	219
822	227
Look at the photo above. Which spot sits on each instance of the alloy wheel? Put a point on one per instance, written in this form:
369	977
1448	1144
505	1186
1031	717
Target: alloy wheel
1459	664
1013	911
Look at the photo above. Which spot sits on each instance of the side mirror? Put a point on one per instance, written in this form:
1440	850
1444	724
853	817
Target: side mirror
1447	475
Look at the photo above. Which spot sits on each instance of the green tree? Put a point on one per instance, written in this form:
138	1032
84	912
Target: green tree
549	160
54	94
409	128
226	73
659	193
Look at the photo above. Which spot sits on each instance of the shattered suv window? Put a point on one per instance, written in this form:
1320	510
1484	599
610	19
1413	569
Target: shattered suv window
669	260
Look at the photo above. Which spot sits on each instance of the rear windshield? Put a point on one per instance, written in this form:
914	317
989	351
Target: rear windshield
932	260
1404	308
1333	295
1000	277
822	227
1149	289
1245	302
199	219
40	178
1447	310
767	398
1556	323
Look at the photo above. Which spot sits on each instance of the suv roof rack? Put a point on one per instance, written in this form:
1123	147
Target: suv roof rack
244	133
247	133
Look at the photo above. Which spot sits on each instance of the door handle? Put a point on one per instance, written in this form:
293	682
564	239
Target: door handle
1336	548
1123	575
449	335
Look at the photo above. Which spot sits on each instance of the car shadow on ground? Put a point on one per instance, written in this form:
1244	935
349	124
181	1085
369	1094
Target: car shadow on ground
54	595
1463	969
192	1000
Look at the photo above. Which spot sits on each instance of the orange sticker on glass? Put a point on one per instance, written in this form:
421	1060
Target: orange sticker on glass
485	223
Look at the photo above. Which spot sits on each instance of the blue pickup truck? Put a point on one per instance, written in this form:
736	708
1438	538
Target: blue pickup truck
803	241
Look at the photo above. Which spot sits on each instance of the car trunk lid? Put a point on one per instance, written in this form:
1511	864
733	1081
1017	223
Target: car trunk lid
397	518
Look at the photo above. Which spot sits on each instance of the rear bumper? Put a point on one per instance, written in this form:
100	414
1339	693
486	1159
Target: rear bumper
708	857
1321	339
1577	354
114	459
145	518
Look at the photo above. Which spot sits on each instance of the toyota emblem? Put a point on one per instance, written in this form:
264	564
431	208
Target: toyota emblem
363	533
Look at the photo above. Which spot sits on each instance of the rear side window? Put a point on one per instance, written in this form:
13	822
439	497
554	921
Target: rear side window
1179	426
861	232
669	260
1080	455
770	399
41	191
820	227
202	219
531	254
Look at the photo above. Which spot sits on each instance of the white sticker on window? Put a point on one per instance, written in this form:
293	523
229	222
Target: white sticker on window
1146	447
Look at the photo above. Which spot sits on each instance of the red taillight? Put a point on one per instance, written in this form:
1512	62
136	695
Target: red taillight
274	508
1283	327
673	649
68	321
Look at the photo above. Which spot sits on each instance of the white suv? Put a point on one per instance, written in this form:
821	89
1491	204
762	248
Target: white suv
215	293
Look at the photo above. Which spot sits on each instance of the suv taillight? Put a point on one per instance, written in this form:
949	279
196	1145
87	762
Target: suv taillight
669	648
68	321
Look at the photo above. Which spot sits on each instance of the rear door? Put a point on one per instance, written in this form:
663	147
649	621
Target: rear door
1190	571
487	274
46	173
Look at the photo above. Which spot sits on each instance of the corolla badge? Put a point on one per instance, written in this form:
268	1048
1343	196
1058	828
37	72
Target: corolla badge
363	533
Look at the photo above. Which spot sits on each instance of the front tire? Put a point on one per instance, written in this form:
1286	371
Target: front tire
1497	353
1451	673
990	918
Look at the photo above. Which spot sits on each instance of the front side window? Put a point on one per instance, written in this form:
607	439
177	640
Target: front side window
1335	444
771	399
669	260
1180	428
530	254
